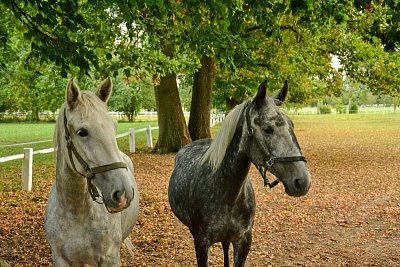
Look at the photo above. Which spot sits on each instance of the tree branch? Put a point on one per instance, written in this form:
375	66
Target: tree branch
29	22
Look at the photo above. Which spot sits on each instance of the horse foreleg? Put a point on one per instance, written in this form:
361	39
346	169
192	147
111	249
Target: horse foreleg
241	250
225	246
201	246
129	246
60	261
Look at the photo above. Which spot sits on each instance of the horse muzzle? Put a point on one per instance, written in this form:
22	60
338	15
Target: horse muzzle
297	187
121	201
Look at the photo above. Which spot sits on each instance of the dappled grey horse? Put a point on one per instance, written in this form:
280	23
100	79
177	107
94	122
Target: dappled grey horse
90	171
210	191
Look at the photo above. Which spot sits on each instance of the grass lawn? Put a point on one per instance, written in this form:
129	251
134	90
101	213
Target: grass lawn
378	129
43	167
16	133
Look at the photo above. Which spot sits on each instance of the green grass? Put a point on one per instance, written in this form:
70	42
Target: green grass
44	164
16	133
372	129
350	121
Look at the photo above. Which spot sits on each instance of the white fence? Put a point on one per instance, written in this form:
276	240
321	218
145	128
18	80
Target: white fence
28	153
362	109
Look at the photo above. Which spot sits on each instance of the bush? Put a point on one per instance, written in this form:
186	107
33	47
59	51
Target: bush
353	108
341	109
324	109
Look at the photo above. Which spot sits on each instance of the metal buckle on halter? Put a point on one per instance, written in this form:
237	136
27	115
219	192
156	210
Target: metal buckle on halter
263	171
68	139
94	193
269	163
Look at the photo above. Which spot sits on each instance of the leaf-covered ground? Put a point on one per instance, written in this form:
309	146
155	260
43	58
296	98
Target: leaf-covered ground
351	216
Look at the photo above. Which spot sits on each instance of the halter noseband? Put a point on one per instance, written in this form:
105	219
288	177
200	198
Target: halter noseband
89	172
271	160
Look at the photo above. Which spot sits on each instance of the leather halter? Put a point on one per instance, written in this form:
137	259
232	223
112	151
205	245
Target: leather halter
90	172
267	164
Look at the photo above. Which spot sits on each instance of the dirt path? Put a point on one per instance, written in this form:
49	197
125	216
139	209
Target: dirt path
342	222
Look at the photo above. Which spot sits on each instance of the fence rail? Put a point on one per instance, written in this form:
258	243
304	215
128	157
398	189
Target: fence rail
27	155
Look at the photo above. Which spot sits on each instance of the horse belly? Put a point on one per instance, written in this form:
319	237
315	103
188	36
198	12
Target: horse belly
178	197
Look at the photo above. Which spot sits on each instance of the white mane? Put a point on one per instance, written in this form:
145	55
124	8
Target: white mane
216	152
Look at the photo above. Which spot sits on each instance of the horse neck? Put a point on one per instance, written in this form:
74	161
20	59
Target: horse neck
72	192
235	165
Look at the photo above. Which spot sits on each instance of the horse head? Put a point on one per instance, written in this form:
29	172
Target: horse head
91	146
272	145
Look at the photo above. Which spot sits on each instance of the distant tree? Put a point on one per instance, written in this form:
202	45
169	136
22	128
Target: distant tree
185	90
148	101
371	65
125	98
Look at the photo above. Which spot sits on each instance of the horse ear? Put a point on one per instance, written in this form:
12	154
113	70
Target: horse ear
72	94
281	95
105	89
262	92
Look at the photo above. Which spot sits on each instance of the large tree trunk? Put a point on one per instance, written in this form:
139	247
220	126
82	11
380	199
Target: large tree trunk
200	111
173	133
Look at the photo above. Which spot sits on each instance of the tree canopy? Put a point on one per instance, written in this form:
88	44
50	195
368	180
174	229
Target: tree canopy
141	43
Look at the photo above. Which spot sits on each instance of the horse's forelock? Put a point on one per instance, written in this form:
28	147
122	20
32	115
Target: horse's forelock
89	101
216	152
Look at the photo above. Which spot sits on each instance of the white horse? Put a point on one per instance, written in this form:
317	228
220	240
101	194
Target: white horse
79	229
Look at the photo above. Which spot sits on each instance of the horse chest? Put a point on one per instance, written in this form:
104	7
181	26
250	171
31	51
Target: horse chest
227	224
83	236
224	218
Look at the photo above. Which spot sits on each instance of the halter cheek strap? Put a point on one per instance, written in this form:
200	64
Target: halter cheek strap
267	164
89	172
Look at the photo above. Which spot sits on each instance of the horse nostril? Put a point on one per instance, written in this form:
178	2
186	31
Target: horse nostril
118	195
298	183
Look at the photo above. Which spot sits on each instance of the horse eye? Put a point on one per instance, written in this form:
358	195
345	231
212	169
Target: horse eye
82	133
269	130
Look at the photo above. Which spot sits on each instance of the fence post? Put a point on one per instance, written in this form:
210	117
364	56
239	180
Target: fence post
27	169
148	137
132	147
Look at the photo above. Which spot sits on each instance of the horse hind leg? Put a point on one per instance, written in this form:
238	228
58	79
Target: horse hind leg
225	247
